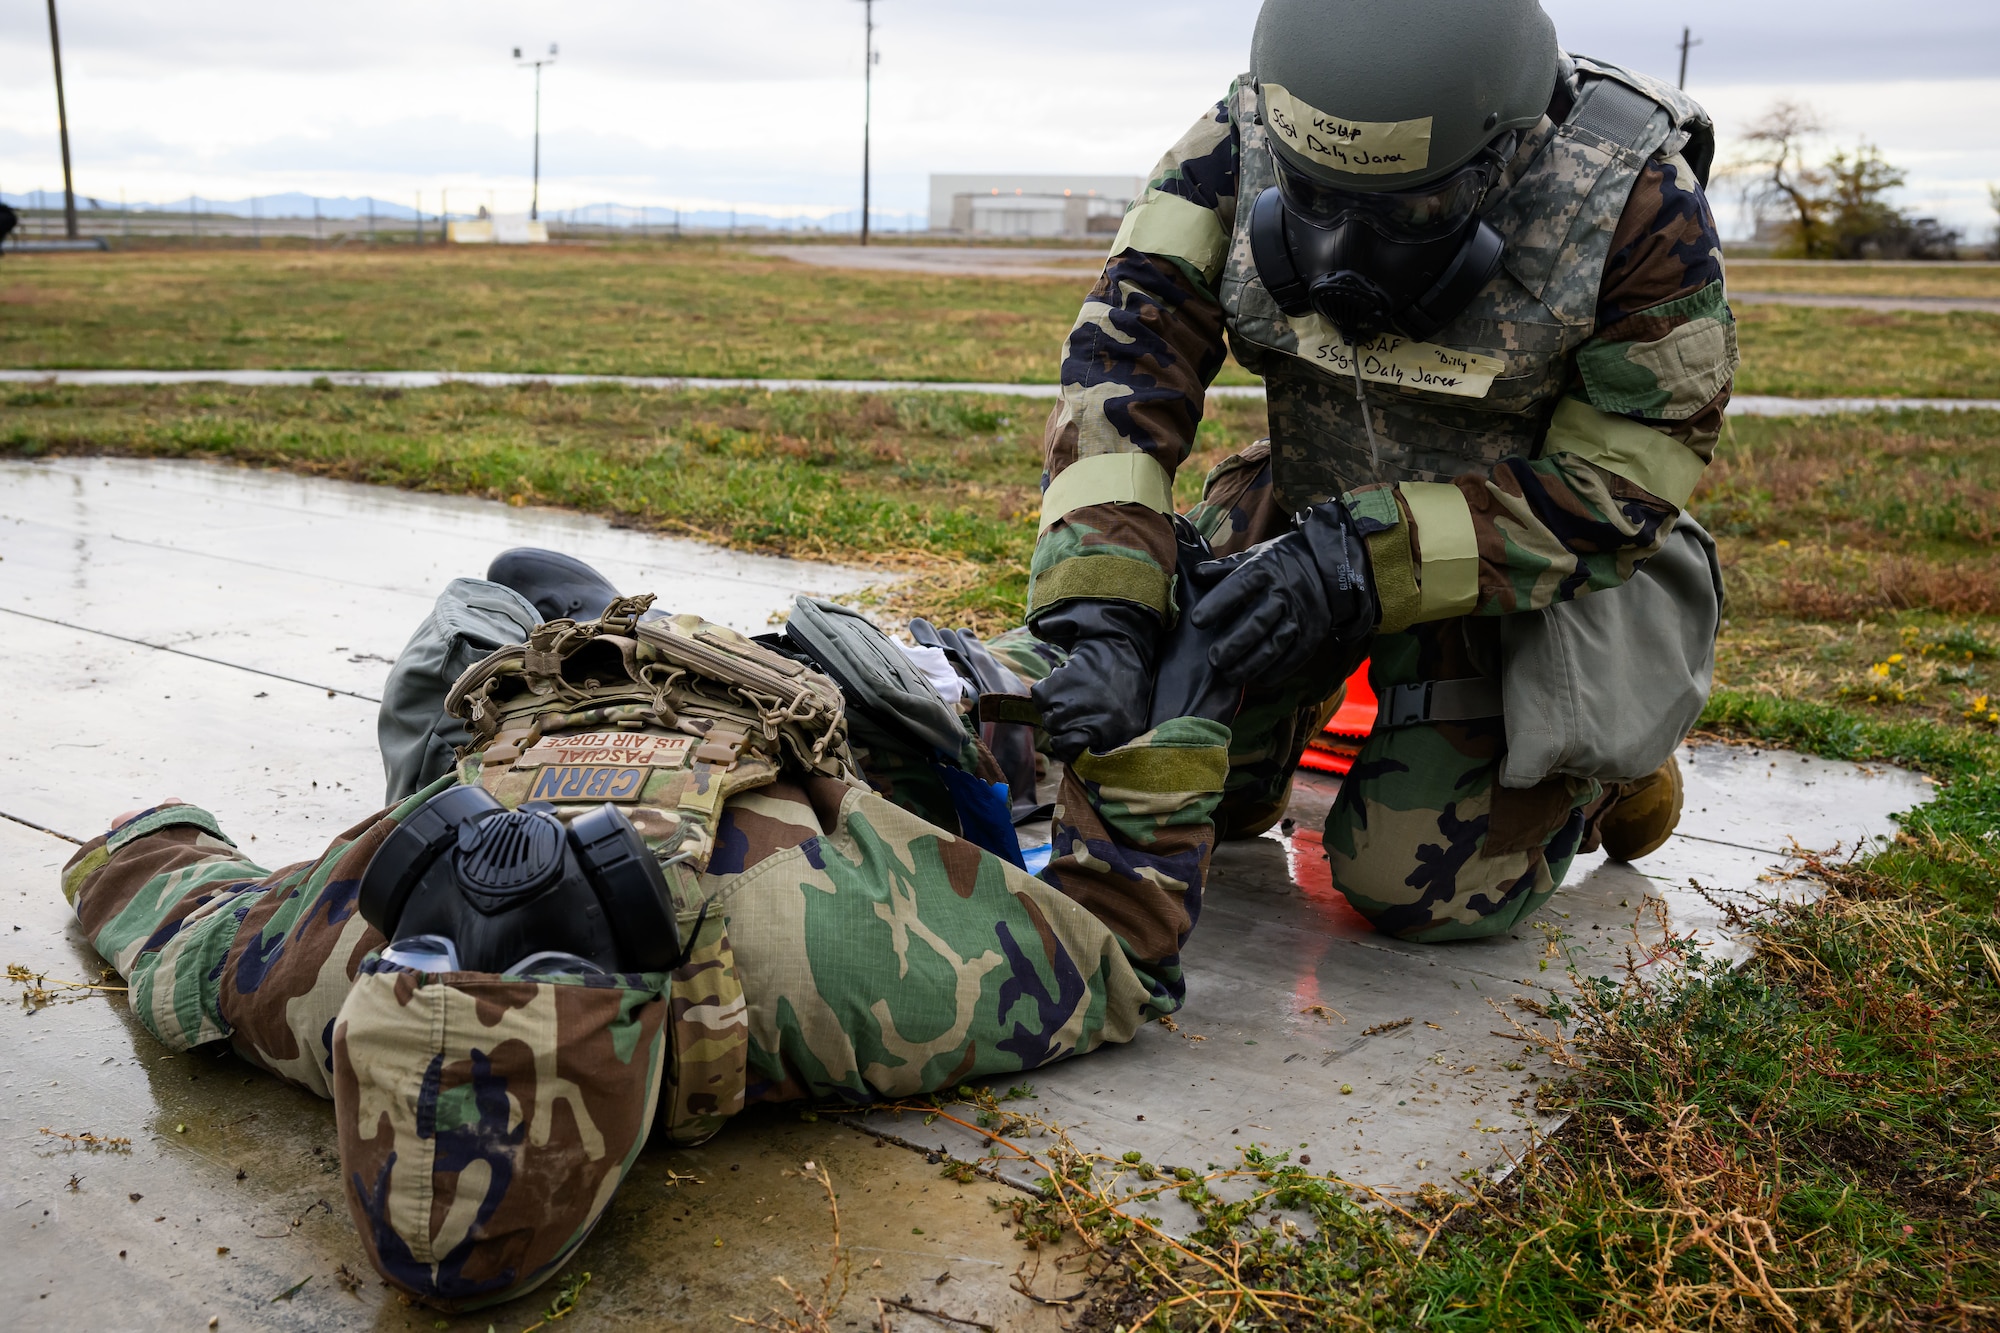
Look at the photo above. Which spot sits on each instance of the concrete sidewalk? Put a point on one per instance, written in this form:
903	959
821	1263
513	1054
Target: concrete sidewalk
1755	405
220	634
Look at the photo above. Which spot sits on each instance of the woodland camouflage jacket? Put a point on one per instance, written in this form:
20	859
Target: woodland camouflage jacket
1568	411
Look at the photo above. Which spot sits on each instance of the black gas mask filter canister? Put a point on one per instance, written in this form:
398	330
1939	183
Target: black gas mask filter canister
465	884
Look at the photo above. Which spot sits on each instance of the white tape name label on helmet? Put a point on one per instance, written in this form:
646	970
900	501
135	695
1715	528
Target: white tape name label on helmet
1393	359
1363	147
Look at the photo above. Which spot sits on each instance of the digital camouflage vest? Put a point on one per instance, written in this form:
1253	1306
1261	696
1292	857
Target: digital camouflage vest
1487	386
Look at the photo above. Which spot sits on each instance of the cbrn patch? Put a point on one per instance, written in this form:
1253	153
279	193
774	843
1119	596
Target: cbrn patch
588	782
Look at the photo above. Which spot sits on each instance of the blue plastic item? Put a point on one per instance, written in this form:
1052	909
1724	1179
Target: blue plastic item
984	815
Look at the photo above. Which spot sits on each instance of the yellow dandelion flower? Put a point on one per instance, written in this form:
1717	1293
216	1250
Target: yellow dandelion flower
1880	671
1895	657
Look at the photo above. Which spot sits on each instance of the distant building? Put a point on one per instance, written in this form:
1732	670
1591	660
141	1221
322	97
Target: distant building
1009	205
499	229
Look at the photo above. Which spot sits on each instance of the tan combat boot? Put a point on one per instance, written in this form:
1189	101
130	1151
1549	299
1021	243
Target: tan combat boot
1642	814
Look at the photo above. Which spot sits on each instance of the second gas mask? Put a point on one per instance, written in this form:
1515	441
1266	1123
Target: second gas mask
1406	261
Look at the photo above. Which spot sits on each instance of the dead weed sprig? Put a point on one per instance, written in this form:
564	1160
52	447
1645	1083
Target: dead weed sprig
89	1142
813	1314
39	992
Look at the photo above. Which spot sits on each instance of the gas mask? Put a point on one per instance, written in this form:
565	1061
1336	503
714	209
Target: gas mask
1369	263
466	884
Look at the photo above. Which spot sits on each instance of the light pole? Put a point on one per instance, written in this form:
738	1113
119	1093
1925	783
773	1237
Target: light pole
62	126
1688	42
867	105
535	199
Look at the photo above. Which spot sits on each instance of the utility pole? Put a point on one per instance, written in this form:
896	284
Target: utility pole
62	127
535	199
867	105
1686	46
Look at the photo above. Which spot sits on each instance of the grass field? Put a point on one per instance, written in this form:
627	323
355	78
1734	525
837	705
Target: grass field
1809	1142
703	308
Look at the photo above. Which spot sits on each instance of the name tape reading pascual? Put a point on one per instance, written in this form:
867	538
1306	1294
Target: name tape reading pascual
1393	359
623	748
1366	147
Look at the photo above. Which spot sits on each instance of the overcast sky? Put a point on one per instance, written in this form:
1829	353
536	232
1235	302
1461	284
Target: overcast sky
758	102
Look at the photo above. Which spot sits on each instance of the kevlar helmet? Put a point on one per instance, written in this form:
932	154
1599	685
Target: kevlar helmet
1389	121
1392	95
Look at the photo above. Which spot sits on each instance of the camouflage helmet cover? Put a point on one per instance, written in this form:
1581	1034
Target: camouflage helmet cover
1379	95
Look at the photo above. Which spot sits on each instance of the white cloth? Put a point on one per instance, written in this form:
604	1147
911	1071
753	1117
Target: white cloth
937	669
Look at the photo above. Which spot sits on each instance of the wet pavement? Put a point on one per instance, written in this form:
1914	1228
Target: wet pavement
221	633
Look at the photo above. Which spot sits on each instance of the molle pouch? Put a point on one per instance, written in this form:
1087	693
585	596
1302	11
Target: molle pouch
486	1120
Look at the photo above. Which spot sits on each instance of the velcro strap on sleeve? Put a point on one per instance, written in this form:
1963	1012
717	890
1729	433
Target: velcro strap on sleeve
1126	478
1447	546
1099	578
165	816
1166	224
1648	458
1184	756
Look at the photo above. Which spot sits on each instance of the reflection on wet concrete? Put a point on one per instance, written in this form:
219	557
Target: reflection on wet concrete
1396	1065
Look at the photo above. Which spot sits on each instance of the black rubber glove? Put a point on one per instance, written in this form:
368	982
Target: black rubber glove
1187	683
1098	699
1282	602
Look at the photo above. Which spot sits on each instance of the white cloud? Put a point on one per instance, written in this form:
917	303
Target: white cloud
759	101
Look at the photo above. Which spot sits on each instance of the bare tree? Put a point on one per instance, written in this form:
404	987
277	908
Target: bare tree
1776	175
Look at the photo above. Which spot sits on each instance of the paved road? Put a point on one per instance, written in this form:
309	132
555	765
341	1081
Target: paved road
1753	405
1985	304
954	261
970	261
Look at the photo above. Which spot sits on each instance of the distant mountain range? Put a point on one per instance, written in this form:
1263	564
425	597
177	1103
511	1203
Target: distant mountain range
347	208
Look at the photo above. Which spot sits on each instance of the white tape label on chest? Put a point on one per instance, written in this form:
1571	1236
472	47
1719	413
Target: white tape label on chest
620	748
1362	147
1390	358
